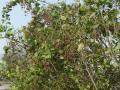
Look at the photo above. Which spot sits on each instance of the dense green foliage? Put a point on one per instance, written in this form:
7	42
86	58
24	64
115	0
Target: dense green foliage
64	47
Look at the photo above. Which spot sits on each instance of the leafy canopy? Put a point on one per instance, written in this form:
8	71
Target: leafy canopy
65	47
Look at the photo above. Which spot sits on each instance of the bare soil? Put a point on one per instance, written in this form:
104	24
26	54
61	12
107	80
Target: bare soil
4	85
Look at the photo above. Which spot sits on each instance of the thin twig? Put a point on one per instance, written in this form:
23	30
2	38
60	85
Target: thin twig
90	76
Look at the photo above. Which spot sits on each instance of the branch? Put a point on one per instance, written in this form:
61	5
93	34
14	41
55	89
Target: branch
90	76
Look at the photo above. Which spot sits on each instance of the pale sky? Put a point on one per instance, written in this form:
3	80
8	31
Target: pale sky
18	19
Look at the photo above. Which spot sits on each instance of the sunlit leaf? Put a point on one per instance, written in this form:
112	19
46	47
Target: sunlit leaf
80	46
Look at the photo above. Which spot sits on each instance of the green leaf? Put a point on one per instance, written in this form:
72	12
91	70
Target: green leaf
9	32
92	15
63	18
117	47
80	46
1	29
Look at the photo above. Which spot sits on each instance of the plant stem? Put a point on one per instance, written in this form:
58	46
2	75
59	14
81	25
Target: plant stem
90	76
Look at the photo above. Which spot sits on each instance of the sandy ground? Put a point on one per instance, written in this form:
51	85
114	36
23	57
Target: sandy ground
4	85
